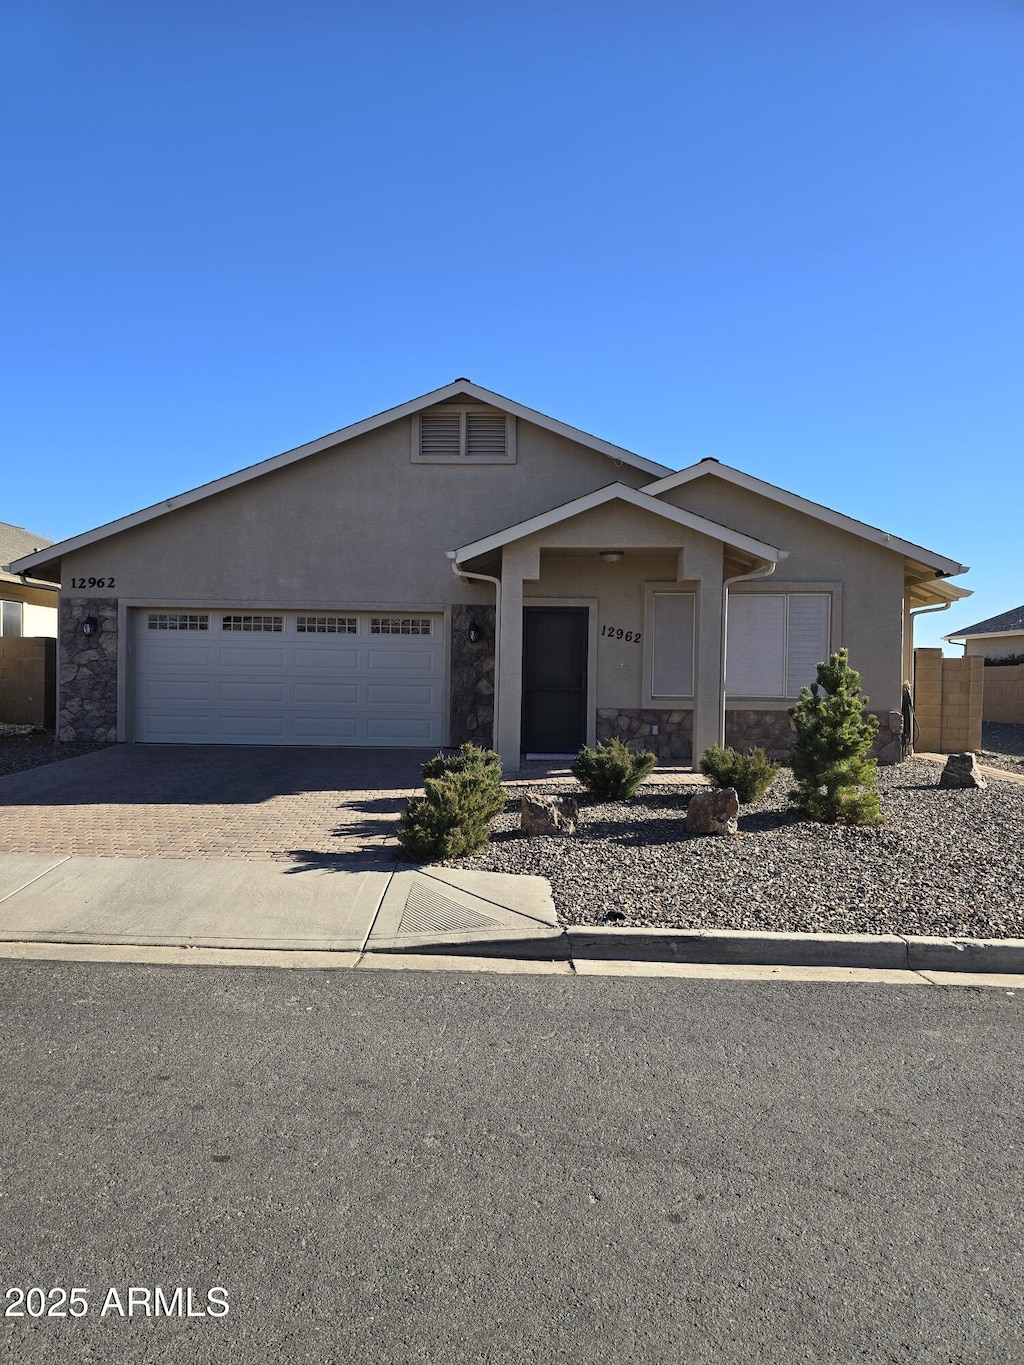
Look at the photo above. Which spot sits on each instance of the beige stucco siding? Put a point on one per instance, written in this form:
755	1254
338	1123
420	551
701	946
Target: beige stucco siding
870	576
359	523
994	646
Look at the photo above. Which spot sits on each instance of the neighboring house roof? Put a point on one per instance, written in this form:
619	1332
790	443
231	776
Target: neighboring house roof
917	554
1006	623
15	543
460	388
622	493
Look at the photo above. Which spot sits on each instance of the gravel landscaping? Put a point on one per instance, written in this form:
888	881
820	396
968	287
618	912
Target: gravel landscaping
1003	747
945	862
29	746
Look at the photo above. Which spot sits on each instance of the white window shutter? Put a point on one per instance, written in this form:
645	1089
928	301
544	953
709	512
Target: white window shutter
485	435
808	642
672	645
756	645
440	435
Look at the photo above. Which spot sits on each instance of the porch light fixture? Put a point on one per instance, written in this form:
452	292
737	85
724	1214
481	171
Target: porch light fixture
612	556
474	632
90	625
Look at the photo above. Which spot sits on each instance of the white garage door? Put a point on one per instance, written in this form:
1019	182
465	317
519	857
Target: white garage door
281	677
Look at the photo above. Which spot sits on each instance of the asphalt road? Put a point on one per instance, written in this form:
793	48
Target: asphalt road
386	1167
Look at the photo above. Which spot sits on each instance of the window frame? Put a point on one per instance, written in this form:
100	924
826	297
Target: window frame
463	456
13	602
770	588
664	700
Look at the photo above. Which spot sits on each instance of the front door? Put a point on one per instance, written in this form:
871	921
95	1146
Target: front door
554	679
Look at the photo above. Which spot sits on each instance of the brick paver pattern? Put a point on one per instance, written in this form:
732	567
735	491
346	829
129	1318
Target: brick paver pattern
213	801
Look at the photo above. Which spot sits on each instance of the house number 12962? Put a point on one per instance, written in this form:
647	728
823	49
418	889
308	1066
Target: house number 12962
92	582
615	633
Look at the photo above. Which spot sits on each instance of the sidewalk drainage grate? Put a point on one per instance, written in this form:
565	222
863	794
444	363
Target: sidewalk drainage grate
428	912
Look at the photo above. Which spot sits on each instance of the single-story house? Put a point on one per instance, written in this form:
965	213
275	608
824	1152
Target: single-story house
462	567
26	609
1000	637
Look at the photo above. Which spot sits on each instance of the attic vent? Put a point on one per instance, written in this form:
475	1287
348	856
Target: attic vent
448	434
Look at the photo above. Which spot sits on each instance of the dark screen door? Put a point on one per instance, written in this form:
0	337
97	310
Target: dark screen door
554	679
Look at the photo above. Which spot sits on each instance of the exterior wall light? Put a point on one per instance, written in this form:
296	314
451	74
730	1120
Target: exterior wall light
90	625
612	556
474	632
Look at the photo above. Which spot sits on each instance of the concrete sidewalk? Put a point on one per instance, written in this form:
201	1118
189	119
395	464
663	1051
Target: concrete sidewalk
172	902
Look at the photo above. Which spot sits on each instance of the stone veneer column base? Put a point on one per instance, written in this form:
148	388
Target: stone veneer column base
673	743
88	671
472	677
774	732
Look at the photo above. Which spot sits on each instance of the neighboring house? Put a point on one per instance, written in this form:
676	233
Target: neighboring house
1000	637
463	567
28	625
25	610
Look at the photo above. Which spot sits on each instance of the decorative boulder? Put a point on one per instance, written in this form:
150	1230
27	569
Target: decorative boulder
549	815
713	812
962	770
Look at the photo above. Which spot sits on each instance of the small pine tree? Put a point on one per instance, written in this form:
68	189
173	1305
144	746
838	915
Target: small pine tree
453	818
833	736
610	772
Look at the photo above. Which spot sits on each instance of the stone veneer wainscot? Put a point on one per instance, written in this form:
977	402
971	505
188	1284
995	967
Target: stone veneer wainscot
88	671
472	677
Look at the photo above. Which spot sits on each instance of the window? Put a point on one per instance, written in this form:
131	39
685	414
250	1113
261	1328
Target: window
774	642
178	620
253	623
326	625
400	625
448	434
672	621
10	618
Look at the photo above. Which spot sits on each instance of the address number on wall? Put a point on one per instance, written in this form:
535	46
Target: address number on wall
615	633
92	582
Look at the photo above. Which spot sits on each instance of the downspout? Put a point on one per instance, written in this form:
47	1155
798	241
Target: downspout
765	571
486	578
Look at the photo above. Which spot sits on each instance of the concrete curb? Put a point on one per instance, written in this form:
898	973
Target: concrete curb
738	947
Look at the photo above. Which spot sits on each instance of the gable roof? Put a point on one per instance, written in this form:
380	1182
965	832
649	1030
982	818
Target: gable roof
459	388
622	493
917	554
1006	623
15	541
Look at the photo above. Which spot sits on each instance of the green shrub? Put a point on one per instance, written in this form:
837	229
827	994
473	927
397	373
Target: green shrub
610	772
751	774
833	736
470	758
454	816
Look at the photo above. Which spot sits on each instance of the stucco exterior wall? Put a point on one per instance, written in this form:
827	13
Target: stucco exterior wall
359	524
871	577
994	647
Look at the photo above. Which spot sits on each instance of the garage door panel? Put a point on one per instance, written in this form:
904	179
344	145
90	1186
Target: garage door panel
343	694
251	656
337	660
289	687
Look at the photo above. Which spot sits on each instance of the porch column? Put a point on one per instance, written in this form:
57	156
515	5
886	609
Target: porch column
518	562
703	561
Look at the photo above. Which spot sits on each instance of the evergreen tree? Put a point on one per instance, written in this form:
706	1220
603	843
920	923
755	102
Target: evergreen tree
833	735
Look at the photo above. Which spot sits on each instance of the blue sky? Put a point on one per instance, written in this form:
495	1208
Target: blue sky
787	235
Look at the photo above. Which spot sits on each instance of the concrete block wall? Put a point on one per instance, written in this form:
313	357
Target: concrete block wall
1003	702
947	702
28	680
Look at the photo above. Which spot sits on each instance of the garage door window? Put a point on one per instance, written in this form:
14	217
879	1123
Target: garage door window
326	625
178	620
254	623
400	625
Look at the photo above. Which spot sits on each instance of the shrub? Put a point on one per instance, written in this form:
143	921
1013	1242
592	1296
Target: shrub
751	774
453	818
470	758
829	759
610	772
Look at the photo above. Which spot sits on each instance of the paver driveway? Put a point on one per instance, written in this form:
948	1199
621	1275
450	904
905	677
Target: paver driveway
311	806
